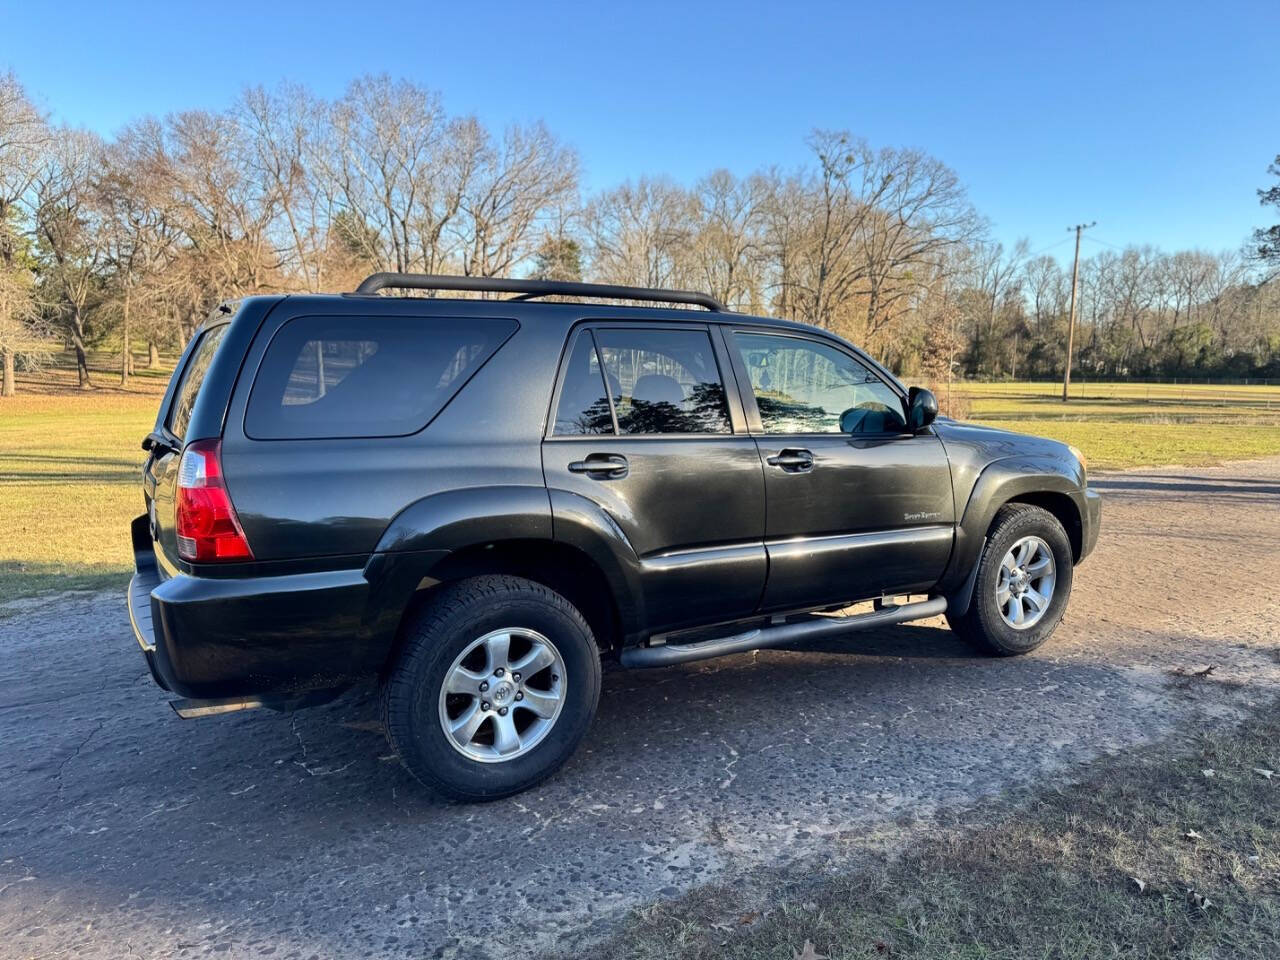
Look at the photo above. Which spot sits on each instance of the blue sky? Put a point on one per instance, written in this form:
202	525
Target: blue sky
1155	119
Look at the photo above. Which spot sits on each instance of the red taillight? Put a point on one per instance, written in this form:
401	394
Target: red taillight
207	526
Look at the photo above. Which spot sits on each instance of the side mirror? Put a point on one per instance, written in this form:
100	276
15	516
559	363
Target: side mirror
923	408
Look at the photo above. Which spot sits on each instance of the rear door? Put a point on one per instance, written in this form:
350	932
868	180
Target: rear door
645	427
857	504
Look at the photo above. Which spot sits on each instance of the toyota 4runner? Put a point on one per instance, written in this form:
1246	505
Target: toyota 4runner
472	501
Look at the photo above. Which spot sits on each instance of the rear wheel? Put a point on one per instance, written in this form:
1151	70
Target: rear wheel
1023	583
495	688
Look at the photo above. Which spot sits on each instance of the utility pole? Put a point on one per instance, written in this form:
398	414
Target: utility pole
1079	228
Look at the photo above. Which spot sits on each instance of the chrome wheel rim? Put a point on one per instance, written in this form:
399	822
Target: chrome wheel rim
1025	585
502	695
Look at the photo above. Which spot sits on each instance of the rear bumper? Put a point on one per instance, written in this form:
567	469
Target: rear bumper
206	637
145	579
1090	522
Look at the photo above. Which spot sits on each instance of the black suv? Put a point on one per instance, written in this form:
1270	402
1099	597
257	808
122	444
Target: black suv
473	500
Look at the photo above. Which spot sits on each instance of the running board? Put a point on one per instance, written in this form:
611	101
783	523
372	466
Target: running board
776	634
194	709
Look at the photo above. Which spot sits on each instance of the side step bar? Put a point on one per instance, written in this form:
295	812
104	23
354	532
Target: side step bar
194	709
775	635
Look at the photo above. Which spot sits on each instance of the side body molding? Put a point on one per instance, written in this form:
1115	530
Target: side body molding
998	483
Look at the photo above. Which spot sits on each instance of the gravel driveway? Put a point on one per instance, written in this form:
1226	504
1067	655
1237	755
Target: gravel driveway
127	832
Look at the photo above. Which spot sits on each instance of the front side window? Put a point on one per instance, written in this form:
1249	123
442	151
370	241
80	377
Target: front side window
802	386
663	381
329	377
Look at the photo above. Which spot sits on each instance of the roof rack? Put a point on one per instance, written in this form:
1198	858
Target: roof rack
529	289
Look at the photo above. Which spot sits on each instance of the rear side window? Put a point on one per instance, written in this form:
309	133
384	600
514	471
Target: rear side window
331	377
663	381
584	402
184	399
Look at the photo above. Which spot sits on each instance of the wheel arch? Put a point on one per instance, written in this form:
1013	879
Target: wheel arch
1038	480
1062	507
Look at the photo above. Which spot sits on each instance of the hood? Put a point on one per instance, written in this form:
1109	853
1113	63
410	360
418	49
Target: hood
997	444
972	448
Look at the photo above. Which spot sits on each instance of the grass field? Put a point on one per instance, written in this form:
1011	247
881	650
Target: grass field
70	478
69	459
1128	425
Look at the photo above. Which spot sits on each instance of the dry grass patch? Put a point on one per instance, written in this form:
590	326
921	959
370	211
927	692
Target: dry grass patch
1170	852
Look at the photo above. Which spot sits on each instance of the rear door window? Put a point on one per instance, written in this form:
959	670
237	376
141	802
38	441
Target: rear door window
333	377
663	381
584	402
651	381
184	398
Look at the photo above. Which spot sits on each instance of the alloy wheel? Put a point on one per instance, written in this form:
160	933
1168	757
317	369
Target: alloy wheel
502	695
1025	585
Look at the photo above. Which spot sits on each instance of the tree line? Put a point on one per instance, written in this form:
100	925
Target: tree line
131	240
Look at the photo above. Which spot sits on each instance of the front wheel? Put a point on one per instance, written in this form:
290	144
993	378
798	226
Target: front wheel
1023	583
496	685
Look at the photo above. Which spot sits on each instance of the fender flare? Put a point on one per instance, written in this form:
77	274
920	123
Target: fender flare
583	524
1000	482
424	533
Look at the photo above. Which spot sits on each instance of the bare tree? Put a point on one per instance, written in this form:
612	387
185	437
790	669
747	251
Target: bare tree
393	184
640	233
508	189
917	214
68	239
288	151
728	248
993	280
23	137
138	223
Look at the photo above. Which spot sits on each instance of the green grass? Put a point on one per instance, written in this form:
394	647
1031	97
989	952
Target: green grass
1128	425
70	482
1104	868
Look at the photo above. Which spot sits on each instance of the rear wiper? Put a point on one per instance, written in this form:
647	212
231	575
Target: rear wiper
156	442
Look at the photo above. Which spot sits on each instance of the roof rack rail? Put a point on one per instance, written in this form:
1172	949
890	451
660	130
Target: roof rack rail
528	289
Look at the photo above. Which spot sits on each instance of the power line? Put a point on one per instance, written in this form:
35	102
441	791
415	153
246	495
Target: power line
1051	246
1106	243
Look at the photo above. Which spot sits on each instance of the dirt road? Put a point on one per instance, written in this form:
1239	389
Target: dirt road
126	832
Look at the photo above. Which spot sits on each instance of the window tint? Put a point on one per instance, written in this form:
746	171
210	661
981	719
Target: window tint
184	399
806	387
664	381
584	404
365	377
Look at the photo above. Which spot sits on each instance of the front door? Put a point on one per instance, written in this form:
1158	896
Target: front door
857	505
643	429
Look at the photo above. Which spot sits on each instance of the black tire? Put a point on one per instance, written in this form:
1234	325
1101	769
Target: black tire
982	624
437	635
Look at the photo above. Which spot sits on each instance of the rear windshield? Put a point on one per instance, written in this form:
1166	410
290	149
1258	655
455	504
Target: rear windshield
184	399
330	377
